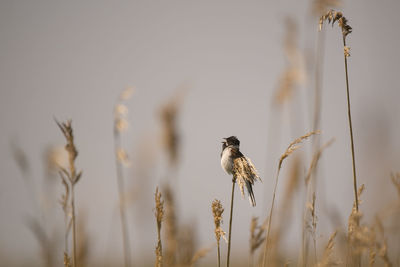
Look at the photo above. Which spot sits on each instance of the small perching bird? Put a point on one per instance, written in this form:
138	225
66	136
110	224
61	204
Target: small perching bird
235	163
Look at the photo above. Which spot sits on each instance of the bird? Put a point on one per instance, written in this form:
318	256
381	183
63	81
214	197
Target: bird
234	163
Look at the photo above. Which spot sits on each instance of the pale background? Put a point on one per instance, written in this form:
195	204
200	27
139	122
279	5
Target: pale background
71	59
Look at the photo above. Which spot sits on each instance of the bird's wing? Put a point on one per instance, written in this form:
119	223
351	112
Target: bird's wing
235	152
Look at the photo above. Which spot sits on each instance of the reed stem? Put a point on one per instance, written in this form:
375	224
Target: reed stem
230	223
75	263
350	127
219	256
120	181
270	221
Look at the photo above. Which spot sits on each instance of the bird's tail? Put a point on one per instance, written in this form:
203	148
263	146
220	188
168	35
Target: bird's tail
252	199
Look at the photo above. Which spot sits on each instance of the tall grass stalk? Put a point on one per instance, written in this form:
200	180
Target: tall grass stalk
159	214
332	17
121	204
120	124
70	178
230	224
290	149
350	123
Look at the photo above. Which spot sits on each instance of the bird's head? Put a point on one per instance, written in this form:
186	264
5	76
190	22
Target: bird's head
231	141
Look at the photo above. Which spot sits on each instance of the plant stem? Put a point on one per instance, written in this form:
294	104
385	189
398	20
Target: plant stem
124	226
270	220
350	127
75	263
219	255
159	248
230	223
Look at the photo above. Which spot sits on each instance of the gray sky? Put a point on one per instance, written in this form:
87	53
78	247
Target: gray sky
72	59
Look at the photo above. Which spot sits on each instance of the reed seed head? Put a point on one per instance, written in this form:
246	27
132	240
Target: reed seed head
217	211
333	16
66	129
244	171
327	258
293	146
159	214
159	208
67	260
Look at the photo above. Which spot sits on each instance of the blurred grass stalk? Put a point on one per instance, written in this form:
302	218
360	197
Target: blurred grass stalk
159	214
120	125
217	211
293	146
70	178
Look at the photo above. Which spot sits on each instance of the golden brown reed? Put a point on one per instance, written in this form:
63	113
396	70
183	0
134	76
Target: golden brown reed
312	226
121	158
67	260
327	257
363	238
159	214
217	211
359	237
244	172
333	16
70	178
381	242
171	227
293	146
277	257
309	214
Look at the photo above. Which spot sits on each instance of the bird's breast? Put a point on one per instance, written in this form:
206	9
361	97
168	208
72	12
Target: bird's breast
226	161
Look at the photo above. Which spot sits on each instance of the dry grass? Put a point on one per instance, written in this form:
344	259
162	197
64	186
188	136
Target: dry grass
363	243
121	159
333	16
293	146
244	172
159	214
70	178
327	257
217	211
171	227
